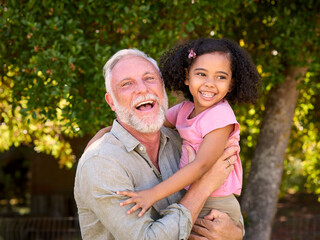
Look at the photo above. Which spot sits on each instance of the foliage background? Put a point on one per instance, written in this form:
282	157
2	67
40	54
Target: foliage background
52	54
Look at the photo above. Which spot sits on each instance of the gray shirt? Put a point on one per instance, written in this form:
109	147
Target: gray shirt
118	162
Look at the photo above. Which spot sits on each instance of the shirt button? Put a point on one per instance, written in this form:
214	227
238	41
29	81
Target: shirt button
141	148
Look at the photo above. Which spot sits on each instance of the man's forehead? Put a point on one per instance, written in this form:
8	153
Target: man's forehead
134	62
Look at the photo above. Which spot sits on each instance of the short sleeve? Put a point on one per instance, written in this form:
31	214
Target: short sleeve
217	117
172	113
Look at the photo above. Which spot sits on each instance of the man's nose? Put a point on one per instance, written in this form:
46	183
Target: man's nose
141	86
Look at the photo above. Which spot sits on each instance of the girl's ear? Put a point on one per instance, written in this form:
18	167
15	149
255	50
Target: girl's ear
186	81
231	86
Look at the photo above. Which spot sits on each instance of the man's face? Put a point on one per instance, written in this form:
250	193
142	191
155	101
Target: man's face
138	98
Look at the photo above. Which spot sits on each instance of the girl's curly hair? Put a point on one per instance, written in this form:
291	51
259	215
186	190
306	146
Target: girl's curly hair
175	63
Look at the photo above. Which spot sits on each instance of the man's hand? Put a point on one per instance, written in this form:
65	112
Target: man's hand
98	135
219	172
216	226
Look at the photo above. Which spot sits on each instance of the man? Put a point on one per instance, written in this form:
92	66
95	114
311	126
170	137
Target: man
137	155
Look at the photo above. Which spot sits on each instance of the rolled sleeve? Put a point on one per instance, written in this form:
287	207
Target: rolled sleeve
100	179
183	218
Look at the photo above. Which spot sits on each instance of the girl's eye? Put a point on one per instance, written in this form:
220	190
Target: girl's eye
201	74
221	77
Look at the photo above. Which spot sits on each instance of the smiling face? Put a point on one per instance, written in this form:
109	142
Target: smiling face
209	80
138	95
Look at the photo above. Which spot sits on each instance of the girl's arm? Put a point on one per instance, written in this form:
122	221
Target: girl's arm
209	151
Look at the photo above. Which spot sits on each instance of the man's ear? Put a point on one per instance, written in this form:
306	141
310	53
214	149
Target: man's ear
109	100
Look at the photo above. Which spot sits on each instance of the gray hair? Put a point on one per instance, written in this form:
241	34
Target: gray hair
117	57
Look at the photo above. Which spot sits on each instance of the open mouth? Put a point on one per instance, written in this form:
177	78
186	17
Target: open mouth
145	105
208	94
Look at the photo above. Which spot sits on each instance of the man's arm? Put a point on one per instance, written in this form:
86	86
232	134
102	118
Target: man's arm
217	225
209	182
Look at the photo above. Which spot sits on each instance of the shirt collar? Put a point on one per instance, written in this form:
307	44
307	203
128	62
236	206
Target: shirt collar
129	141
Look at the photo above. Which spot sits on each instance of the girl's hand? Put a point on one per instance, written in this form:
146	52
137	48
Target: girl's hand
143	199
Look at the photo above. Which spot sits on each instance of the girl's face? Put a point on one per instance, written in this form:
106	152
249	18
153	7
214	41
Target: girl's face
209	80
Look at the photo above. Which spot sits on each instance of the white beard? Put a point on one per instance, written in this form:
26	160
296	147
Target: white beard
148	123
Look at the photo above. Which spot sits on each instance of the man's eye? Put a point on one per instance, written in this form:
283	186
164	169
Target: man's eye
149	78
125	84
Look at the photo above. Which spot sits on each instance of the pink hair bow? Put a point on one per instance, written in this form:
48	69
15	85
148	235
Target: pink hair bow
192	54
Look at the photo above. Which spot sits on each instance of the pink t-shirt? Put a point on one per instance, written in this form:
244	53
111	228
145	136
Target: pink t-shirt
193	130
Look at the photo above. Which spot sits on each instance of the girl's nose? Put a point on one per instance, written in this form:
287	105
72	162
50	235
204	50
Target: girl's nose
210	83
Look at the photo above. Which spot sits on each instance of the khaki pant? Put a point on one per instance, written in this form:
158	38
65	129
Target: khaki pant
228	204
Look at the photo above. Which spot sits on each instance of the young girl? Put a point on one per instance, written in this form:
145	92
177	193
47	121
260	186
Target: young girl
210	72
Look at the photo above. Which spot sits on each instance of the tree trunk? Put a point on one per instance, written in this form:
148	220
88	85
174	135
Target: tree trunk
262	189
